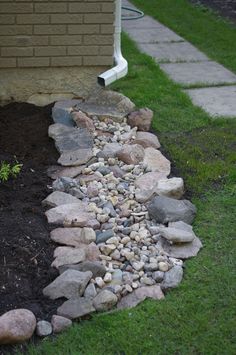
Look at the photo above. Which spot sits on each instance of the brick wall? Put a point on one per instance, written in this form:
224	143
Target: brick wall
38	33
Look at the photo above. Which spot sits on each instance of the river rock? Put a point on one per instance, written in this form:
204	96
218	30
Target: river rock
16	326
75	157
165	209
97	268
70	284
172	278
146	139
146	185
58	198
105	300
110	150
59	324
76	308
141	119
82	120
131	154
139	295
43	328
155	161
173	187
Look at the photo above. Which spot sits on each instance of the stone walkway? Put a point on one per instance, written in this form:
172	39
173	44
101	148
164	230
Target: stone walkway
186	65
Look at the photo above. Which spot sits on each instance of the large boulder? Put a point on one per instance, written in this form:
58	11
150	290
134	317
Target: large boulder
73	236
105	300
110	150
131	154
96	267
69	256
75	157
16	326
62	110
76	308
155	161
83	121
70	284
165	209
176	235
58	198
146	139
59	323
77	139
172	278
141	119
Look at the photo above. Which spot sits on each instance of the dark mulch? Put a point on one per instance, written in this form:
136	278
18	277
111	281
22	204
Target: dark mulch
226	8
26	250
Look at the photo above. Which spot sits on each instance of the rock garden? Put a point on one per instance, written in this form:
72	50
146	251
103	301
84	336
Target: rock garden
101	228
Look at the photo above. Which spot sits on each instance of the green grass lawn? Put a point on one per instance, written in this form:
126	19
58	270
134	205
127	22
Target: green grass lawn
198	317
197	24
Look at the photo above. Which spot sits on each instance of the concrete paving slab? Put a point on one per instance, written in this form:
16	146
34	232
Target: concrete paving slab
173	52
144	22
153	35
217	101
209	72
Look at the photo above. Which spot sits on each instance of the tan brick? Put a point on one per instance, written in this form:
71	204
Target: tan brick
16	52
83	50
106	50
49	8
84	8
23	40
99	18
99	60
32	19
108	7
81	29
49	29
33	62
16	8
66	40
66	61
7	19
7	62
12	30
48	51
107	29
66	18
102	39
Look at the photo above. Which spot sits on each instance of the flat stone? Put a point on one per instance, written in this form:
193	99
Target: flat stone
183	250
57	171
155	161
57	215
146	139
97	268
73	236
59	324
131	154
75	157
209	72
57	130
139	295
72	256
110	150
76	308
105	300
43	328
141	119
90	291
217	101
58	198
17	326
70	284
175	235
165	209
156	34
71	141
173	52
172	278
61	111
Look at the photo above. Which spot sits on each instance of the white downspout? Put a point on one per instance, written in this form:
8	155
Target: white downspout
121	67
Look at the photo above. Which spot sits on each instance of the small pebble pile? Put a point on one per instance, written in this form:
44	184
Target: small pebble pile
121	224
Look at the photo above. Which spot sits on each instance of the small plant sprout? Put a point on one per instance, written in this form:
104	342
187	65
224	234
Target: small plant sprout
8	170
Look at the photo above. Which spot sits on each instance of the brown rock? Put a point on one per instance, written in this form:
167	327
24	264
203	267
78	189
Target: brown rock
146	139
57	215
57	171
155	161
59	324
83	121
16	326
141	119
66	256
131	154
75	157
139	295
73	236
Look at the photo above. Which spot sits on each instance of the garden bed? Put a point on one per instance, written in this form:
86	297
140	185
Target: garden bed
26	250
